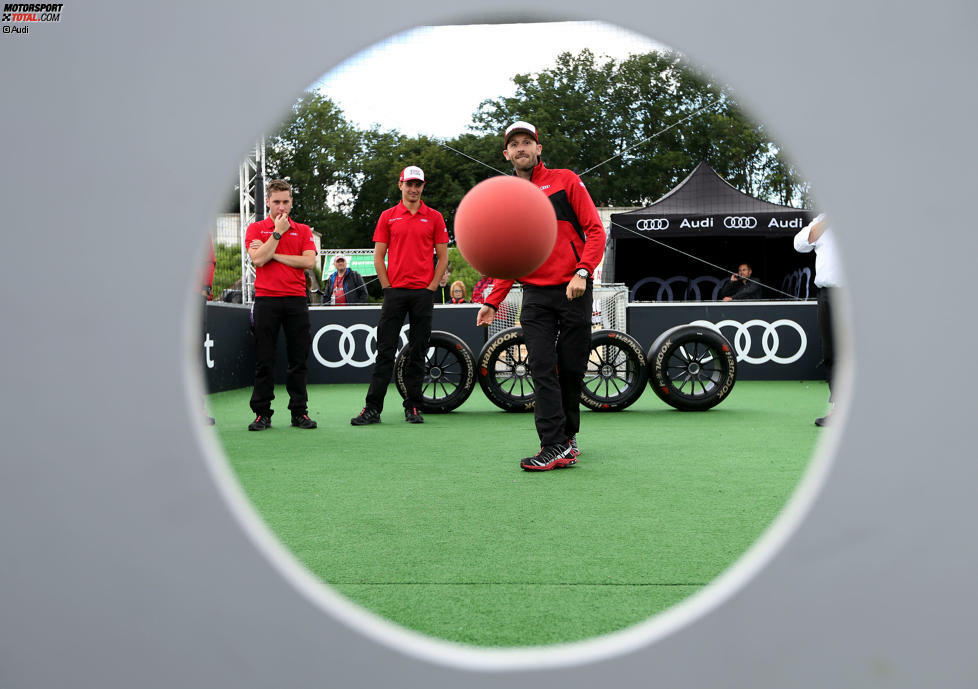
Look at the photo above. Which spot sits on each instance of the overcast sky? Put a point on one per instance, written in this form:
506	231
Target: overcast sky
459	67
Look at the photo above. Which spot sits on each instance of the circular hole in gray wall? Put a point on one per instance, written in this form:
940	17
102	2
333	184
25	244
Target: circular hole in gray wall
442	534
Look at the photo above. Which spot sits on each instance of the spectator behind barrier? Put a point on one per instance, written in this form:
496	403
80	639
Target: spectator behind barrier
443	294
458	293
478	292
740	287
344	285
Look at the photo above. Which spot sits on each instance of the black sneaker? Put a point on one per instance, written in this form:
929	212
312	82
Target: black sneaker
550	457
413	415
572	441
261	423
303	422
367	416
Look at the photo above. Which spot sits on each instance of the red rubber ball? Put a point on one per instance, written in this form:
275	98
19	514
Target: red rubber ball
505	227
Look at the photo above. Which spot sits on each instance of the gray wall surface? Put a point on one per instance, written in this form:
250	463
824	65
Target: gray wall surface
129	557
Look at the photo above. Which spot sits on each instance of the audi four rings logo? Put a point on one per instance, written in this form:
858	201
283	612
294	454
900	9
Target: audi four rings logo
740	222
652	224
348	348
770	342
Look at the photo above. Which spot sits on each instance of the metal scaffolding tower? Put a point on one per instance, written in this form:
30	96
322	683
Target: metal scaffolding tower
251	187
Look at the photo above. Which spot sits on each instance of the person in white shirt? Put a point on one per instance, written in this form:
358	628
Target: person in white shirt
817	236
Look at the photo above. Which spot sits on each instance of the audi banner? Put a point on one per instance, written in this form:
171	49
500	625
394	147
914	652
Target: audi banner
778	224
705	204
343	348
772	340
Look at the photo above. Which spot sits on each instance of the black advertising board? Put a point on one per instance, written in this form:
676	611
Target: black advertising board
343	340
773	340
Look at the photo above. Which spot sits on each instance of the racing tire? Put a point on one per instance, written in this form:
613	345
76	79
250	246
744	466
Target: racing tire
449	373
692	367
504	371
616	372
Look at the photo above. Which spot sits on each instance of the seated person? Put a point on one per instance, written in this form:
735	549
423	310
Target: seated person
458	293
741	286
478	292
443	295
344	285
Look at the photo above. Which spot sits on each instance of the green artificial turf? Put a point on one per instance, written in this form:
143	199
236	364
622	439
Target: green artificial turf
436	528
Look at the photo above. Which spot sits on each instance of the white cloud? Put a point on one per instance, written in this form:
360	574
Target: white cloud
431	79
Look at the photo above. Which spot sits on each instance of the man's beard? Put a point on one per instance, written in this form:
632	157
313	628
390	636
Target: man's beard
527	163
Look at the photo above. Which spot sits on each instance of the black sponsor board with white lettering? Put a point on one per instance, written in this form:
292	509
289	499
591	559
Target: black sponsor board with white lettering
772	340
341	336
227	347
343	342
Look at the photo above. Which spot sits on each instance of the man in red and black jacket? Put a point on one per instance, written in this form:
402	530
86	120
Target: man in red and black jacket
556	312
282	250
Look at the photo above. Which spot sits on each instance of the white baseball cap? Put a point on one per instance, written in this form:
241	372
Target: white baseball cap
340	257
412	172
520	126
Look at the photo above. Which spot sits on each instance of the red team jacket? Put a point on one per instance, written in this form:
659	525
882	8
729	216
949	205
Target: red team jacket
580	234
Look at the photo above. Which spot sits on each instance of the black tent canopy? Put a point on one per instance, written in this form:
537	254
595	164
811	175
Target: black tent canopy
710	227
706	204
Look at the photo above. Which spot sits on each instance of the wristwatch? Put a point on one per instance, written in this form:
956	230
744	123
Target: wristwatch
276	235
582	273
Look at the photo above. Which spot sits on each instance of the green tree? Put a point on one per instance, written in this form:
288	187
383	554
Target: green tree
448	174
621	125
318	151
633	128
227	269
461	270
782	183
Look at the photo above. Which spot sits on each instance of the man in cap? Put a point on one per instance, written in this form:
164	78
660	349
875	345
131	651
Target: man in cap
556	312
408	235
344	285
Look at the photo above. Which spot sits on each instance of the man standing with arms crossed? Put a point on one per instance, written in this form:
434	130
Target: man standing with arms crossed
281	250
557	296
408	234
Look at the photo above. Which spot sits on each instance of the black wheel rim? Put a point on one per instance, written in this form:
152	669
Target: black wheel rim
511	374
445	371
694	369
611	373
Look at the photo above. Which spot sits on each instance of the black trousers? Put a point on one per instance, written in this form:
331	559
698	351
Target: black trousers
418	306
558	340
825	331
291	314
